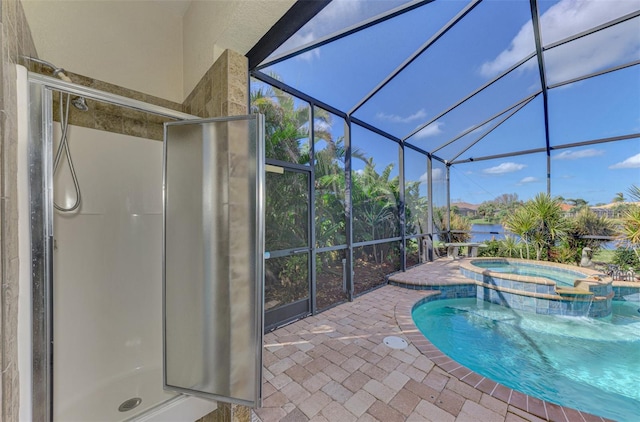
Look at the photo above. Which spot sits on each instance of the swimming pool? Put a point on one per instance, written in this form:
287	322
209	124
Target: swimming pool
584	363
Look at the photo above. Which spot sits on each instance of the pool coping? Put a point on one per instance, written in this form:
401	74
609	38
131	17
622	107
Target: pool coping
426	277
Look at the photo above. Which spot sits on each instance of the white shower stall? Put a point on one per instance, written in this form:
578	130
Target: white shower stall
107	291
99	298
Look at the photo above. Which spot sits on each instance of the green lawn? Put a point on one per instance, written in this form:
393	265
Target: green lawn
604	255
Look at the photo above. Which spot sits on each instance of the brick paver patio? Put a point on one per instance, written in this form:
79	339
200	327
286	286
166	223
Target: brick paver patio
335	367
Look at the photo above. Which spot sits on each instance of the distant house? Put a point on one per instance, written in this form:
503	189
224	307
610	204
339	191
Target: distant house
568	210
613	210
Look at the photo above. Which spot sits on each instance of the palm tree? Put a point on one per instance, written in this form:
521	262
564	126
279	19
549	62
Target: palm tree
634	191
330	193
539	222
521	222
550	222
416	209
631	225
629	231
509	246
286	126
375	203
456	223
619	197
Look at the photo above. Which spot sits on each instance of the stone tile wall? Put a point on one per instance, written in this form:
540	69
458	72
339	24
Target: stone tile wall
109	117
16	40
223	90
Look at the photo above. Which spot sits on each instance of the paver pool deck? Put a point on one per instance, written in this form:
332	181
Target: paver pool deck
335	367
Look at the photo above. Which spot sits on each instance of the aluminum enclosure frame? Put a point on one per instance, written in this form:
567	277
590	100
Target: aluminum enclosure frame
405	141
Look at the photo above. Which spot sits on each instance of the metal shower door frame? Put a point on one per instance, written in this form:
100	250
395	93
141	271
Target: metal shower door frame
40	156
256	177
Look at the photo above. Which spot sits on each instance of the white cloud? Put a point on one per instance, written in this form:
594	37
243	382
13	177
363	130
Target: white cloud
305	39
338	15
569	17
418	115
432	130
529	179
576	155
330	19
522	45
477	130
436	175
504	168
566	18
630	163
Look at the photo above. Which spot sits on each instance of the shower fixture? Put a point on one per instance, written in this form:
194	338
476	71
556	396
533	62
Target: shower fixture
80	103
63	145
59	72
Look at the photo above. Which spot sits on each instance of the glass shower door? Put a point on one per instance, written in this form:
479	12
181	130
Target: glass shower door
213	258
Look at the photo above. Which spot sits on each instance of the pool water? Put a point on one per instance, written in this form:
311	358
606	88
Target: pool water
562	278
584	363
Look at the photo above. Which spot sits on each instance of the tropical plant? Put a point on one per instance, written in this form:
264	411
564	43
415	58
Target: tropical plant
375	198
585	223
286	126
521	222
539	223
287	200
492	249
625	259
497	209
630	228
634	192
457	223
330	194
619	197
510	246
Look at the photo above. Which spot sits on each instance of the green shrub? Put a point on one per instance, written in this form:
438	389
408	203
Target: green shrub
626	258
492	249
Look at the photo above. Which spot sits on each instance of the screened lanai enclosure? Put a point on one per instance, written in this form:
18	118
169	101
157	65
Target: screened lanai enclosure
383	116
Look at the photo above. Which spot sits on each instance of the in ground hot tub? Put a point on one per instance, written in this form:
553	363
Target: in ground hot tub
541	287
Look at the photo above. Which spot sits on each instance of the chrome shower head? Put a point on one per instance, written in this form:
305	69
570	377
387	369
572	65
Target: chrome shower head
80	103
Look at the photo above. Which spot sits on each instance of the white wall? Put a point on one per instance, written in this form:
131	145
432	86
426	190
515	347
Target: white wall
162	48
210	27
134	44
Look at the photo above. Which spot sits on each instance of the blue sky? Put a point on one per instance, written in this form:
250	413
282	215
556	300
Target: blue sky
490	39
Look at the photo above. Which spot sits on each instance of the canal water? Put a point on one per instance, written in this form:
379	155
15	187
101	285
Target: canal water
484	232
